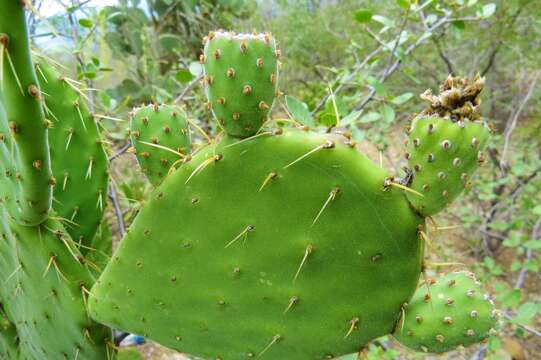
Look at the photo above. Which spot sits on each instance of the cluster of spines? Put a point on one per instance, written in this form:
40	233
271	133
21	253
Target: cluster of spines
241	75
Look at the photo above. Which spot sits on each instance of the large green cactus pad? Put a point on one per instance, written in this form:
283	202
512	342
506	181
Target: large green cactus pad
44	292
78	159
8	337
25	180
241	75
452	311
245	251
161	136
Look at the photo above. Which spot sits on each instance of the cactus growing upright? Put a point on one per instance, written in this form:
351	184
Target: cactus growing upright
286	244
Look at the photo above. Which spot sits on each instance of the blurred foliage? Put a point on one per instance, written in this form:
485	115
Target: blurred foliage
356	66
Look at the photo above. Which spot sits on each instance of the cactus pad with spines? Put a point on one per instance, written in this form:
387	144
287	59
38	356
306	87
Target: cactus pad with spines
45	285
445	145
78	159
452	311
161	137
284	245
26	180
241	75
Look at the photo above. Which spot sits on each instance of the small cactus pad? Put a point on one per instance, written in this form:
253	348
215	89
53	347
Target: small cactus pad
25	171
241	76
45	291
78	159
284	246
161	137
452	311
445	145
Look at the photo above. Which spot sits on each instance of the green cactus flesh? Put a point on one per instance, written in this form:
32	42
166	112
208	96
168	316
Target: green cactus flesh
286	246
78	159
161	137
452	311
45	293
26	179
445	144
241	74
8	338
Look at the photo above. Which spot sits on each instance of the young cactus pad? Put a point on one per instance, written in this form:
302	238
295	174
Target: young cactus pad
445	145
241	75
161	137
78	159
285	246
452	311
26	180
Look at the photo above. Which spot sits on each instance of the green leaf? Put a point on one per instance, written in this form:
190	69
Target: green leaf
537	210
195	68
526	312
459	25
327	119
488	10
184	76
403	3
87	23
533	244
383	20
510	298
363	15
299	111
401	99
350	118
370	117
388	113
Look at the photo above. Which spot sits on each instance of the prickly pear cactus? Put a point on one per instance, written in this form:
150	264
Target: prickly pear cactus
283	245
45	290
8	337
445	144
241	75
161	137
453	310
78	158
26	181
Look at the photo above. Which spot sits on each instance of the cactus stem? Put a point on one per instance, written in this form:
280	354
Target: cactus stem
249	138
332	196
12	67
244	233
203	165
353	324
292	302
269	177
183	156
327	145
274	340
307	252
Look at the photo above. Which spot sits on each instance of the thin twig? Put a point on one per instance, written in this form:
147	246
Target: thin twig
536	232
512	123
525	327
187	89
118	210
121	151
